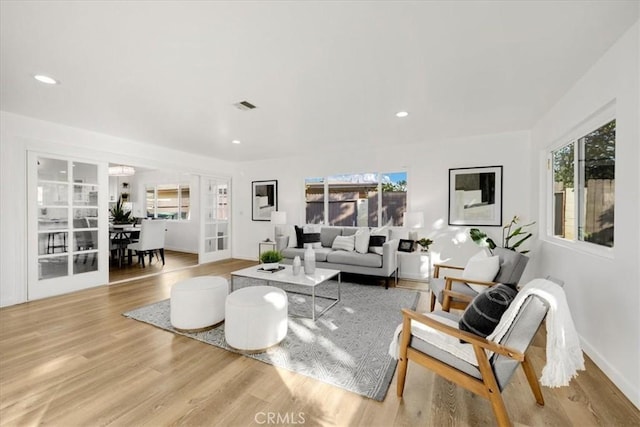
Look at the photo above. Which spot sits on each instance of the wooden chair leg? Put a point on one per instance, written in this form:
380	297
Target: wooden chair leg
533	381
491	385
141	255
403	361
162	255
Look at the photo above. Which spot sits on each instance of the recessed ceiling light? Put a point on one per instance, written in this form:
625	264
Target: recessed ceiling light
235	141
402	114
46	79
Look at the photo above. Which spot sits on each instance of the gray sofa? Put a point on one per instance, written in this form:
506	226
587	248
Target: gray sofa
369	264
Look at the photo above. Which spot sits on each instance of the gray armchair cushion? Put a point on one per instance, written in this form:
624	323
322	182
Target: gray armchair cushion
512	265
437	286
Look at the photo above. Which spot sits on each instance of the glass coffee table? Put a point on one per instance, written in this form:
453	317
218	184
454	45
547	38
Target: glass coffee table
285	276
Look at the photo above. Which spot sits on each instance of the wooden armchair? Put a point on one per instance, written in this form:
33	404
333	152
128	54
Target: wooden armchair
455	292
489	377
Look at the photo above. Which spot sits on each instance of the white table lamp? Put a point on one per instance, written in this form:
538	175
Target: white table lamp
413	220
278	219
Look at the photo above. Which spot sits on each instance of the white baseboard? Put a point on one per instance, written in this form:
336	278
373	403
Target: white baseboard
628	388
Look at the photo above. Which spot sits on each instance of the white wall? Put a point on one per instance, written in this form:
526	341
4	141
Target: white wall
603	291
427	166
19	134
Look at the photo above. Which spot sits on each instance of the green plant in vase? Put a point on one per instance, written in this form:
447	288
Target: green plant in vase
270	260
424	244
481	238
119	215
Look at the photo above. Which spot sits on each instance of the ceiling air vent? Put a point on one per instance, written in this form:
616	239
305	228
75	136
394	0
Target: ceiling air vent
244	105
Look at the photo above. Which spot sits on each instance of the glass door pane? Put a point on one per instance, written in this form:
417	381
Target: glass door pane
64	213
215	218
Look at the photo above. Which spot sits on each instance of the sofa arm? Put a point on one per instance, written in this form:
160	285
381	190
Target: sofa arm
281	242
389	257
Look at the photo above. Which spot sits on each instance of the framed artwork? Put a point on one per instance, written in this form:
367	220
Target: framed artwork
475	196
264	196
406	245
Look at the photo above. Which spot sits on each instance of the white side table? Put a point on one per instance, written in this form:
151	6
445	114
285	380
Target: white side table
414	266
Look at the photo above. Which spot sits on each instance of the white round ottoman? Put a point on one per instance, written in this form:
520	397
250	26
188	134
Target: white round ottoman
197	304
256	318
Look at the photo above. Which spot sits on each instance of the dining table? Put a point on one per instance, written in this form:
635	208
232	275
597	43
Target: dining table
120	236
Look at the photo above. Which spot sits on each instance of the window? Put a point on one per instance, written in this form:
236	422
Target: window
354	199
168	201
584	187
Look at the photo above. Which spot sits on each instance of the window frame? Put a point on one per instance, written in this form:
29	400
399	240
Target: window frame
179	188
596	120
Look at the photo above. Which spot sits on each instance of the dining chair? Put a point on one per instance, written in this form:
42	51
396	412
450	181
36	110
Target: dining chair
151	239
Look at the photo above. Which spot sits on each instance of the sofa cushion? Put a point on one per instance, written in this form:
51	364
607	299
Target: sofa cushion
362	241
311	234
328	235
321	253
483	314
355	258
350	231
344	243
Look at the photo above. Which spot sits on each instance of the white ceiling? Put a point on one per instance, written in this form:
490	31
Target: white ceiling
323	74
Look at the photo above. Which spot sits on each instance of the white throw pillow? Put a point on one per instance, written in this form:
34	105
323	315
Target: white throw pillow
362	241
377	250
380	231
344	243
482	269
290	231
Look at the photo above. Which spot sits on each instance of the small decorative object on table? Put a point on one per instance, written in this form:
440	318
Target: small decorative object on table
424	244
296	265
309	260
406	245
270	260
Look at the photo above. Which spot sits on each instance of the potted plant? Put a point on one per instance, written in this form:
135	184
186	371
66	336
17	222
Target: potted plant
270	260
119	215
424	244
482	239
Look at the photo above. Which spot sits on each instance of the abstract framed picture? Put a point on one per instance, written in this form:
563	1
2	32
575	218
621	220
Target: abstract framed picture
264	197
475	196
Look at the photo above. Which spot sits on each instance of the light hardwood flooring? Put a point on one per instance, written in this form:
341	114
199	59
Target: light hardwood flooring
74	360
173	261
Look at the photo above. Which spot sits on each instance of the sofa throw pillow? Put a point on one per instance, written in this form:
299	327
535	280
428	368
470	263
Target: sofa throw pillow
344	243
362	241
299	237
311	234
483	269
483	314
290	231
375	244
380	231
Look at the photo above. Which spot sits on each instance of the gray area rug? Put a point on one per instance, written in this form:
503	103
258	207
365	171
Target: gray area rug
346	347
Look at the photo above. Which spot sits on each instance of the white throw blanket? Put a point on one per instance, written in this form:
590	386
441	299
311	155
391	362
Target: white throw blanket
564	354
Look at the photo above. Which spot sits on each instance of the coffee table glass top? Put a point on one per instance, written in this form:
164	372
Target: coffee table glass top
286	275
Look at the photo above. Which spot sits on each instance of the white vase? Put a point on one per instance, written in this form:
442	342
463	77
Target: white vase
309	260
296	265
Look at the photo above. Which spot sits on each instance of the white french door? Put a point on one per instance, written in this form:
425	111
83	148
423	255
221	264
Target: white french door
215	230
67	225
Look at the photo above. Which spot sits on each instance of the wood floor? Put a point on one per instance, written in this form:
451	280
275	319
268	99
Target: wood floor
173	261
74	360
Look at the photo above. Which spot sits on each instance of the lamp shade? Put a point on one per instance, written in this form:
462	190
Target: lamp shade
278	218
413	220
